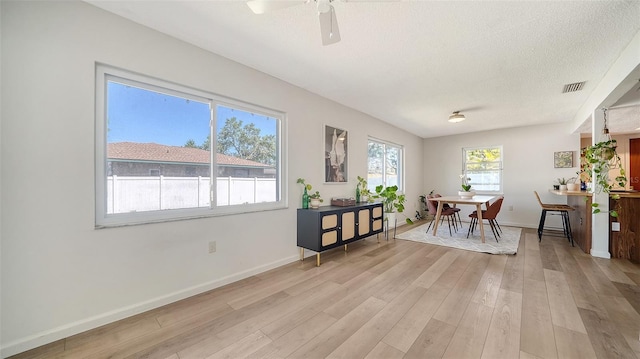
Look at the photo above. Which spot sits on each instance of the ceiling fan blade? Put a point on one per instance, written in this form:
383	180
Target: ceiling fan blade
329	27
262	6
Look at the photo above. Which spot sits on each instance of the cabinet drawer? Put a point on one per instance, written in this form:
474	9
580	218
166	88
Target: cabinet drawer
330	221
329	238
377	225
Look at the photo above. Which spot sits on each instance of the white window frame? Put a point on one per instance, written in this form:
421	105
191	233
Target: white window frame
384	162
103	219
500	171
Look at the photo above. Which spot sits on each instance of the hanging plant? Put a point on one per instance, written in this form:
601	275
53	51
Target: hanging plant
600	158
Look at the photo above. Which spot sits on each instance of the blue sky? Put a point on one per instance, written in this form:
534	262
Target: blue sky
137	115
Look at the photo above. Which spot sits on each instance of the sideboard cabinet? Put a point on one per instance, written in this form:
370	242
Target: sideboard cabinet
328	227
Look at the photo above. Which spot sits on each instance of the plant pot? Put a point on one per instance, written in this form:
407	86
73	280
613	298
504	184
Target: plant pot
391	218
364	198
314	202
466	194
563	187
573	186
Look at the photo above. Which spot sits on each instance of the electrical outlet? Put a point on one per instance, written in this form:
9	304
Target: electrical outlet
212	247
615	226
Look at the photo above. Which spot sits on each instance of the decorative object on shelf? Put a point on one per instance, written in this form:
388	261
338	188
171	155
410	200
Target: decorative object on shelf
335	155
572	184
343	202
392	202
313	199
363	189
563	159
563	183
466	187
600	158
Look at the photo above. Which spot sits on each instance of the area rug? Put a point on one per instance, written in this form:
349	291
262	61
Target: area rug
507	242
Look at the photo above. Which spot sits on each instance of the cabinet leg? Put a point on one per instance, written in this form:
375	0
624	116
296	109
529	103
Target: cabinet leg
301	254
345	247
317	259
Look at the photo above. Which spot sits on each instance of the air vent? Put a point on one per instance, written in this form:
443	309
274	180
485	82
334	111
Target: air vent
577	86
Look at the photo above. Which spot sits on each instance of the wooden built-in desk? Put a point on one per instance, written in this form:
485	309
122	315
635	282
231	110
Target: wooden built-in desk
580	218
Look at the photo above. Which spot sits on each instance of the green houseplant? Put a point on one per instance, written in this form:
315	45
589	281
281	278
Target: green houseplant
466	192
363	189
309	199
392	202
599	159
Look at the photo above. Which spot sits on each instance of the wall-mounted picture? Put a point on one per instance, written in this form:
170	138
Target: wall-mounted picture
335	155
563	159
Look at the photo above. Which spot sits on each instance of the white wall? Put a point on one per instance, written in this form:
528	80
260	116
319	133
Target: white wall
60	276
527	162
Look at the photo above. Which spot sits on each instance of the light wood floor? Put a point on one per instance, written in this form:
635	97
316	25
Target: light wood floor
395	299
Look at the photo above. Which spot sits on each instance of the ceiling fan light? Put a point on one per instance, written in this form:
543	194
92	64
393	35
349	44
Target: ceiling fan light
456	117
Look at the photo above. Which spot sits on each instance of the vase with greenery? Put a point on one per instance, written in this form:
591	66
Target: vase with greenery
466	192
363	190
600	158
312	199
392	201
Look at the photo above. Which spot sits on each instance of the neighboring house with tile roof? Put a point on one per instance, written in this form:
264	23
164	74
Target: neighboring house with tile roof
152	159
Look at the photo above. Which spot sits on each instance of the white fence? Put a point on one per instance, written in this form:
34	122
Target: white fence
139	194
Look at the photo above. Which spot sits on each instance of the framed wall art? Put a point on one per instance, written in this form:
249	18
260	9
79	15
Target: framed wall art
336	155
563	159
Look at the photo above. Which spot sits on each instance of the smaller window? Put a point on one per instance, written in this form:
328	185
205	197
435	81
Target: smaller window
155	173
484	166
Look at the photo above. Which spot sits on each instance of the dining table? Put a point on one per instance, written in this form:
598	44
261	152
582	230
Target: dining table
476	200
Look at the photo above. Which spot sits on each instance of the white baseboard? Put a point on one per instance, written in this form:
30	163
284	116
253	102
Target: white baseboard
65	331
600	254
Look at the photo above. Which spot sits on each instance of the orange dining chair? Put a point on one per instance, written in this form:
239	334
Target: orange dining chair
490	215
495	221
455	209
431	205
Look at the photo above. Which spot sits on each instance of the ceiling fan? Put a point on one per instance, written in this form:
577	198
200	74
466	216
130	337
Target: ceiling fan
328	22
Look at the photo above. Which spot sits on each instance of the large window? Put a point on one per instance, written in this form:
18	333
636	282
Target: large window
484	166
385	164
165	151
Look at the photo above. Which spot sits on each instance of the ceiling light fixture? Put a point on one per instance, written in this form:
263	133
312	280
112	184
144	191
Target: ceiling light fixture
456	117
605	129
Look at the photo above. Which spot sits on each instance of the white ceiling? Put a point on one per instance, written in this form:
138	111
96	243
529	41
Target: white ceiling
412	63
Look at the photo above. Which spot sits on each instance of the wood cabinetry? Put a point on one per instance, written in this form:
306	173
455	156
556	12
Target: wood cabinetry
328	227
581	221
625	243
580	218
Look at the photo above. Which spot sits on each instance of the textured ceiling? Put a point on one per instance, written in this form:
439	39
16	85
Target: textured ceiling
411	63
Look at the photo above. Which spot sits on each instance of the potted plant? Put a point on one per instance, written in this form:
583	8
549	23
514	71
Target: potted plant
563	184
600	158
392	202
466	187
363	190
313	199
572	185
